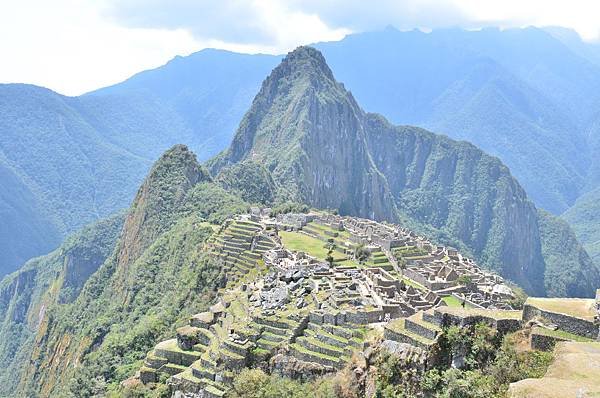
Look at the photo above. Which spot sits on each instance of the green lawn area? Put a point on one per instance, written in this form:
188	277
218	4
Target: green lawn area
452	301
348	263
581	308
300	242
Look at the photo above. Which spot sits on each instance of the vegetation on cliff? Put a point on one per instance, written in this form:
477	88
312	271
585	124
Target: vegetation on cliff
45	282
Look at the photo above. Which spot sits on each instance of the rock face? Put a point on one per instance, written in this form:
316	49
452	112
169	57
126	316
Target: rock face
308	131
323	149
59	276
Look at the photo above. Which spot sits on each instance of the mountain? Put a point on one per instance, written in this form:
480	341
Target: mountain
570	38
154	277
57	172
41	284
513	93
584	216
304	139
205	94
67	161
496	89
322	149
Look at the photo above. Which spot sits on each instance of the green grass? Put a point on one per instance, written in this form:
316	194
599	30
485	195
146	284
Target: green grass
301	349
412	283
560	334
304	243
452	301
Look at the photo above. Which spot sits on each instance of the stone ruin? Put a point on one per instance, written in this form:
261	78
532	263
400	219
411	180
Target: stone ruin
284	304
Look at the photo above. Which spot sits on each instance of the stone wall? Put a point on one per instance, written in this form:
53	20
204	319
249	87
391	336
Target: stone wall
460	298
414	275
389	334
417	277
544	343
571	324
503	325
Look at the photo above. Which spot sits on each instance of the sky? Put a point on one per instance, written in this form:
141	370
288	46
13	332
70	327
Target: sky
75	46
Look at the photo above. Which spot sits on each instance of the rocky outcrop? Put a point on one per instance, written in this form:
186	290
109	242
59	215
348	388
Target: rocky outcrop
308	131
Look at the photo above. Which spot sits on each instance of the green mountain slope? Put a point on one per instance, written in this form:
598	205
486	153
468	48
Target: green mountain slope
568	265
490	87
584	216
323	149
41	283
158	273
26	230
67	161
494	88
57	172
156	276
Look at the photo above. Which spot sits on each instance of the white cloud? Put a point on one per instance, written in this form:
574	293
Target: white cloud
66	46
580	15
74	46
257	25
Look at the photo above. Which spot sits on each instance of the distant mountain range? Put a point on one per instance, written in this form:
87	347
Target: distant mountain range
529	96
65	161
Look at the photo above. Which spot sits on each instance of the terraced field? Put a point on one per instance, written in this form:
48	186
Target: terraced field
419	330
240	245
581	308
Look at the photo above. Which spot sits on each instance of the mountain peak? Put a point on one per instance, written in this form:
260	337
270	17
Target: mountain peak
301	88
165	187
304	60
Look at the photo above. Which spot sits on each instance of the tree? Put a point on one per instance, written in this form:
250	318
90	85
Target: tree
361	254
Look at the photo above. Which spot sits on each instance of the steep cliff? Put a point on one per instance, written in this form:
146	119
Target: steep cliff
43	282
163	190
309	132
570	272
323	149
